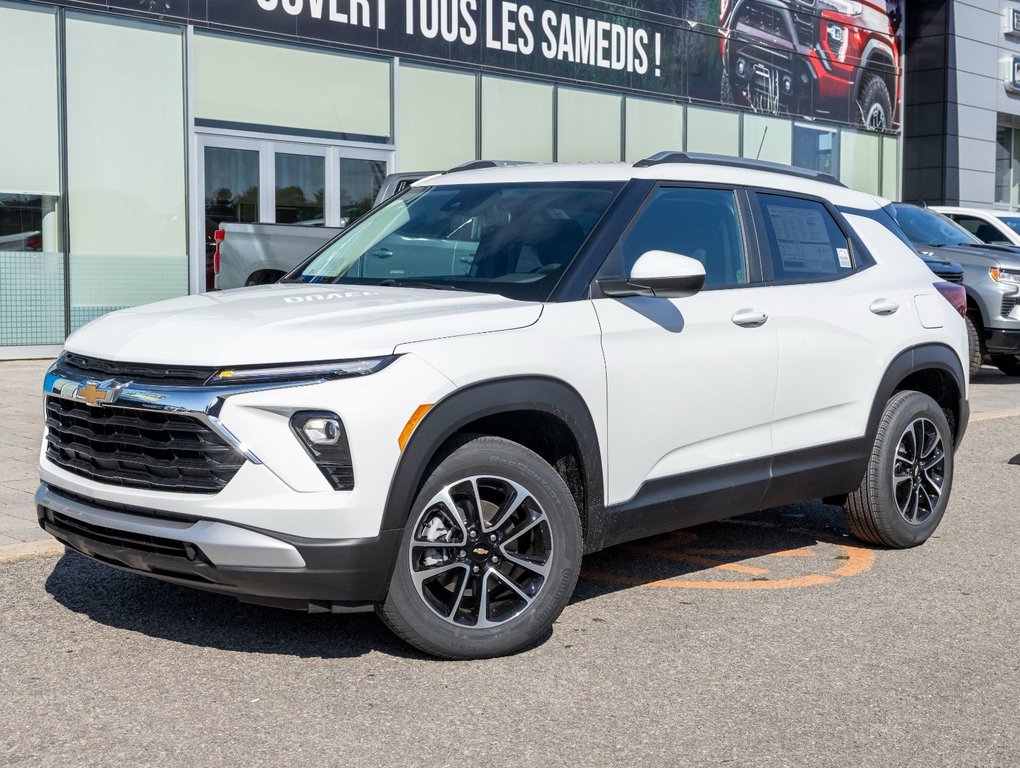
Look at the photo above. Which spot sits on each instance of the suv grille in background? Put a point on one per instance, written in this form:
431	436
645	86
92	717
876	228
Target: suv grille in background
81	368
1008	302
950	276
138	448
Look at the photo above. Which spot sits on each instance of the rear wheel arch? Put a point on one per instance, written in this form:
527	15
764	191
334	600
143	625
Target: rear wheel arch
935	370
544	414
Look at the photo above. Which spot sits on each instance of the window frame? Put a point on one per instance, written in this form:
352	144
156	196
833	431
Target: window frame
612	266
860	257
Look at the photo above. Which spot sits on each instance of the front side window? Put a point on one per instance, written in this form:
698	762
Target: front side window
700	223
1013	222
804	240
983	230
510	239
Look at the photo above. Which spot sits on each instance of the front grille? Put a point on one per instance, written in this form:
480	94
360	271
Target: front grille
82	368
806	26
950	276
764	18
137	448
114	537
1008	302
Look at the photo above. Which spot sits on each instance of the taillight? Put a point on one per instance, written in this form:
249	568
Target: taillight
955	295
218	236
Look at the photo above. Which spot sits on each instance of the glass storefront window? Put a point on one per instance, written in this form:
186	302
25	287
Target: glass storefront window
126	164
31	258
360	181
713	131
768	138
300	189
436	133
588	126
231	187
816	149
504	137
860	160
652	126
1003	165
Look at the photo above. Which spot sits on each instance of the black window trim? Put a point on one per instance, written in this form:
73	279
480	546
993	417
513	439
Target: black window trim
860	256
611	266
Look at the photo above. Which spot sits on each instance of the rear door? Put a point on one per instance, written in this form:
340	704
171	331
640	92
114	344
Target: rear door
691	381
840	322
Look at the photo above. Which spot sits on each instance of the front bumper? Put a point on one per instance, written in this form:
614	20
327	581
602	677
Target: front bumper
1002	341
253	565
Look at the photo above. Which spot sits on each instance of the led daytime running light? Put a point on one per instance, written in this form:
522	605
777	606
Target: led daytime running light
328	370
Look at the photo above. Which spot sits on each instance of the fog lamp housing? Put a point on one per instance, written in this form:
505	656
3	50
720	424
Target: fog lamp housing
322	435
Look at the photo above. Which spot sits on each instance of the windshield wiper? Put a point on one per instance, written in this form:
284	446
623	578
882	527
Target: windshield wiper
391	283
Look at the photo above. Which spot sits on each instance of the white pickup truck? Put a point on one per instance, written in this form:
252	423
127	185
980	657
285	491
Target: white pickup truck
259	254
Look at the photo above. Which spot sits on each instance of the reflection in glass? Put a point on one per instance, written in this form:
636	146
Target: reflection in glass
231	187
816	149
1003	146
300	189
360	181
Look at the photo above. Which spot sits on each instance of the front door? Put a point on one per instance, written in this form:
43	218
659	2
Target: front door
691	381
247	180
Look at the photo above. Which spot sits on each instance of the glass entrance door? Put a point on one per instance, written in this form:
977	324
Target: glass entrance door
268	181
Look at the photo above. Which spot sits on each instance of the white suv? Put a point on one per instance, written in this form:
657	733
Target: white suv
501	370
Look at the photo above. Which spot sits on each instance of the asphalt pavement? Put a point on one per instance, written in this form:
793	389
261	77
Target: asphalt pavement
771	640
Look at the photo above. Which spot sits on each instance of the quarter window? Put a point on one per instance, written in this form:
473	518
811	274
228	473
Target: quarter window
700	223
804	240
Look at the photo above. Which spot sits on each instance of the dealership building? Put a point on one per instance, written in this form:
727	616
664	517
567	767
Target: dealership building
131	128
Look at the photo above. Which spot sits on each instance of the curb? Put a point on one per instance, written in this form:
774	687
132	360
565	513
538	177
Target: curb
13	553
1005	413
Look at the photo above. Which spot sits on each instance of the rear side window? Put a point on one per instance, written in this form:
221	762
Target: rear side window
805	242
700	223
982	230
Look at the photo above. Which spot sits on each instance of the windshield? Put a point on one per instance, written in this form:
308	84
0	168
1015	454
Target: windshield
510	239
925	227
1013	222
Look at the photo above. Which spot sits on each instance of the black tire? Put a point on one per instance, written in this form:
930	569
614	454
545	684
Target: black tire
1008	364
874	104
725	89
874	511
441	615
974	346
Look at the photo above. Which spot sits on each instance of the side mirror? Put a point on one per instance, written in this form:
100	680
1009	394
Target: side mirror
661	274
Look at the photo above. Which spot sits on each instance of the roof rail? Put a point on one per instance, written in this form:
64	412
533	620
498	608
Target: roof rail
701	158
473	165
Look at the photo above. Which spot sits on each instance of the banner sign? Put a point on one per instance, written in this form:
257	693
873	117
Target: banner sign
833	59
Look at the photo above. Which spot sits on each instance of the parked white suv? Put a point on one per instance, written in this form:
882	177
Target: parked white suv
501	370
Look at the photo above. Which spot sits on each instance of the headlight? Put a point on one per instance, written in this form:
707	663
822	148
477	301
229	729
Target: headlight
845	7
331	370
1000	275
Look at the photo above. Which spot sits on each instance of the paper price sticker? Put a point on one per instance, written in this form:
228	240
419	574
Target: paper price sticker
844	258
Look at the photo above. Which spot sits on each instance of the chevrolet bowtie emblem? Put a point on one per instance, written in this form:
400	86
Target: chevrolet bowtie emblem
93	393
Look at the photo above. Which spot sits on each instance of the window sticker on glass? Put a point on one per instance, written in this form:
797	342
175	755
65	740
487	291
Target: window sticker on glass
804	243
844	258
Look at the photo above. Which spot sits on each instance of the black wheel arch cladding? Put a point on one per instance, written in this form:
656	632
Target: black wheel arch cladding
537	394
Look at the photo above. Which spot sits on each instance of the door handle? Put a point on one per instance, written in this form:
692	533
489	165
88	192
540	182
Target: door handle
884	306
382	253
749	318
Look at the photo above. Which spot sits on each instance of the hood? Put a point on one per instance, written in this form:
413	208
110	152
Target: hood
1006	254
293	323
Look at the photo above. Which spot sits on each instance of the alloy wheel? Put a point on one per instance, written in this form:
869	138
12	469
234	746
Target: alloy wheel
876	118
481	551
919	471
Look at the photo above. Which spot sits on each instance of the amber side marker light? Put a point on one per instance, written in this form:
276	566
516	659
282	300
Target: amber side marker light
412	423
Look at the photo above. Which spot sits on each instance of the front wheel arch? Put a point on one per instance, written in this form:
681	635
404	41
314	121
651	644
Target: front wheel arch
463	410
